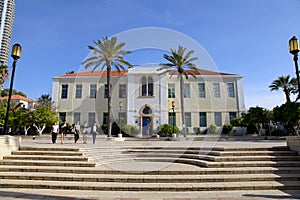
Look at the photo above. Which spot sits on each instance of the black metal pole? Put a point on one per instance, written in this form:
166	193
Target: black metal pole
9	96
297	72
173	119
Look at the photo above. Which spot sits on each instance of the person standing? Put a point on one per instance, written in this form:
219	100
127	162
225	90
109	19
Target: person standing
85	132
54	131
94	132
63	132
76	132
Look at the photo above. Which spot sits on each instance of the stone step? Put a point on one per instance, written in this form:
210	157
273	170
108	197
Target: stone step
68	149
200	171
256	158
219	159
48	153
254	164
47	157
47	163
116	186
143	178
233	149
214	153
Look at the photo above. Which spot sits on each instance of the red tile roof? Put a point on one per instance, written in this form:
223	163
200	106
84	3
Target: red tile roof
201	72
122	73
17	97
97	73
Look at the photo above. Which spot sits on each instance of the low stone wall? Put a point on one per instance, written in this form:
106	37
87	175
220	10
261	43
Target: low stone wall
9	143
293	143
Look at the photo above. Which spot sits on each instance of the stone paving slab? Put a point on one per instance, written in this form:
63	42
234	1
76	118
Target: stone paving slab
26	194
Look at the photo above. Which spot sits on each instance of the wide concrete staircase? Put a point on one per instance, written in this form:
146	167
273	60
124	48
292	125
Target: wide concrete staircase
217	169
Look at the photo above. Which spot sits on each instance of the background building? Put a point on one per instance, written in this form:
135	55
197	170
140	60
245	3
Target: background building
144	96
7	9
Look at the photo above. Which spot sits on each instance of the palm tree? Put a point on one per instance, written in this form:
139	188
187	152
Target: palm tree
106	54
45	100
184	67
3	75
287	85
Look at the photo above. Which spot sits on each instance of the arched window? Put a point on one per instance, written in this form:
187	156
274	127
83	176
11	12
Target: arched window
146	86
150	86
147	110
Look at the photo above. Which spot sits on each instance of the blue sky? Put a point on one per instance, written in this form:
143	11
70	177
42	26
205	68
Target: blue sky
247	37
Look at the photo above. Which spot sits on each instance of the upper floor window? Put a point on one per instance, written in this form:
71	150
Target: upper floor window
93	91
201	90
64	91
171	90
105	91
187	90
146	86
122	90
230	88
78	92
216	90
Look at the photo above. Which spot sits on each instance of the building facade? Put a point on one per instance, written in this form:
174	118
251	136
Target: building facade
7	9
144	96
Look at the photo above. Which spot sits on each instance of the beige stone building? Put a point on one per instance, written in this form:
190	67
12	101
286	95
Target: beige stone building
144	97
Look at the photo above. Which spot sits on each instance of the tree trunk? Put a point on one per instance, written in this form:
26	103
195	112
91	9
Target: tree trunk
109	102
182	103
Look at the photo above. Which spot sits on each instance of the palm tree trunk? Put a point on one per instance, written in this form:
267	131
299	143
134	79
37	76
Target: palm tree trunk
109	102
287	95
182	103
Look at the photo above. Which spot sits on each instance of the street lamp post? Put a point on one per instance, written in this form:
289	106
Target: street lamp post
120	105
15	54
294	49
173	109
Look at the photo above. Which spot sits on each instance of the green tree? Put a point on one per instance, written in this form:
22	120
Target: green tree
5	92
43	116
4	72
255	116
181	61
107	54
289	115
45	100
285	83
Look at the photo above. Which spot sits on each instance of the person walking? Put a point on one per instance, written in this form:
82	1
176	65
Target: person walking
54	131
63	132
85	132
94	132
76	132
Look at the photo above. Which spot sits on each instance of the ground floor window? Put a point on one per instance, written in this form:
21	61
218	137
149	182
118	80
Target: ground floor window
105	118
62	116
232	115
172	119
91	119
76	117
202	121
188	119
218	118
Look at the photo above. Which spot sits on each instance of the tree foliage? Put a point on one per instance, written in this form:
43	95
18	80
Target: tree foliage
183	63
5	92
107	54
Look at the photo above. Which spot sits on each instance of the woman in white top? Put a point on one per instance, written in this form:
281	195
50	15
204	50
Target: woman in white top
54	131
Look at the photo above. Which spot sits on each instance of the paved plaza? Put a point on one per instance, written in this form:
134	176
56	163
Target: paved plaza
207	142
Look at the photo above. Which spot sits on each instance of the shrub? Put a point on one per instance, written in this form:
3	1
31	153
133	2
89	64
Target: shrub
212	129
166	130
130	131
104	128
227	129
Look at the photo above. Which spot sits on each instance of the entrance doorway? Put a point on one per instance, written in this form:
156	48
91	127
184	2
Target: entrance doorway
146	122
